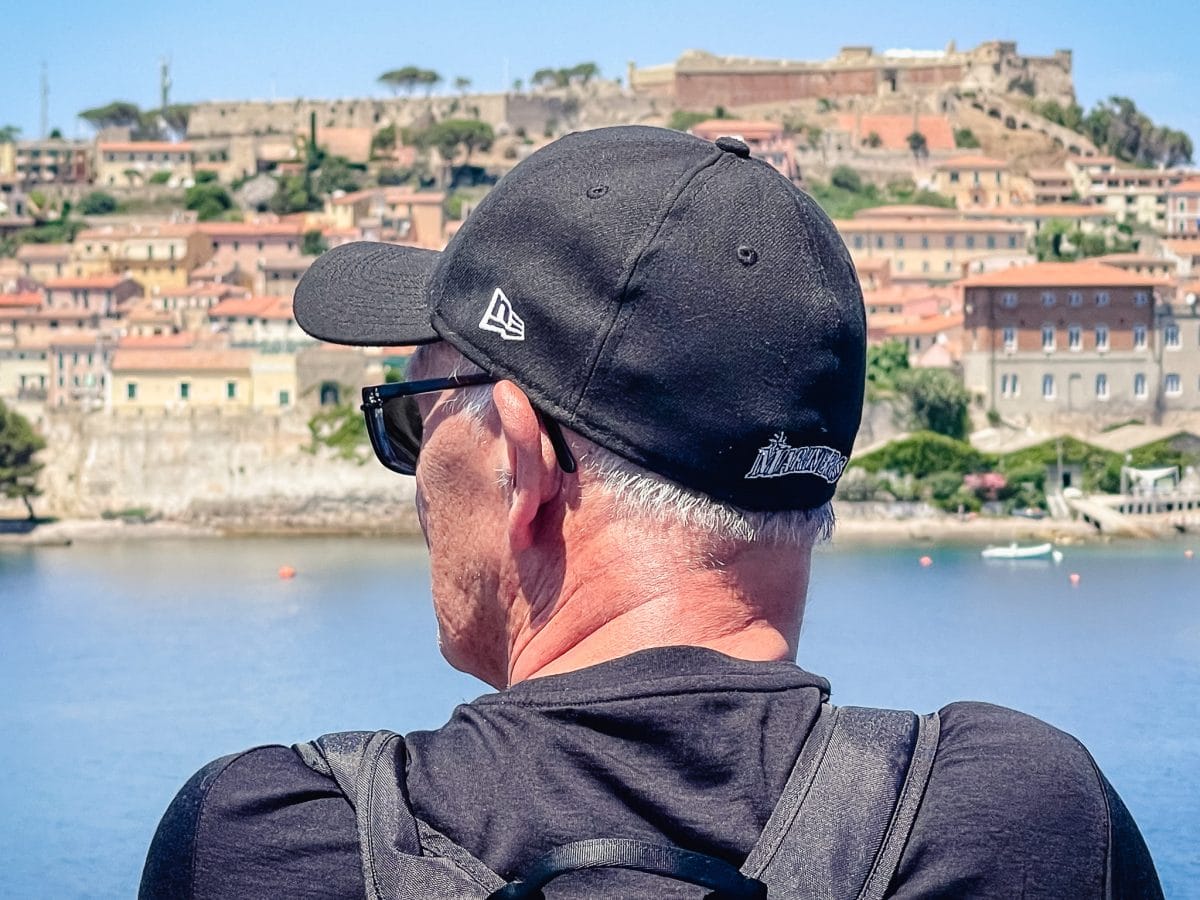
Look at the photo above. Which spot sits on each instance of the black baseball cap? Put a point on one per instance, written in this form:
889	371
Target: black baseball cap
674	300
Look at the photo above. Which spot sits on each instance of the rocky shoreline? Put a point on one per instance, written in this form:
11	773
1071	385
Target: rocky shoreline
851	529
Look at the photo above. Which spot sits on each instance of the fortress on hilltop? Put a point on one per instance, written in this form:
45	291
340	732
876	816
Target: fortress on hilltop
700	80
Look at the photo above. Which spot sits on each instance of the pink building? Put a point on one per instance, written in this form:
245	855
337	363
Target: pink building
1183	207
102	295
244	243
79	369
765	140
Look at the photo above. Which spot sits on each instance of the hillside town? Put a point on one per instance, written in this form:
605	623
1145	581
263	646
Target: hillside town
999	234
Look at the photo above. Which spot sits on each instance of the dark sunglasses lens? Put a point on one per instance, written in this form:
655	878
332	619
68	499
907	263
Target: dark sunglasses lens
402	428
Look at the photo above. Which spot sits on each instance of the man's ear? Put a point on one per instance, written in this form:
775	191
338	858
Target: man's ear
536	477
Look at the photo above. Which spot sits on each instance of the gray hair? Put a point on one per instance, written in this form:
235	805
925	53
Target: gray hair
639	493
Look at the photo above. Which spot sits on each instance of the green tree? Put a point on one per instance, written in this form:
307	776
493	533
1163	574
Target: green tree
847	179
940	402
403	79
209	200
8	133
873	140
337	174
18	469
918	145
448	136
383	142
461	84
885	361
924	453
583	72
56	134
98	203
293	196
313	243
964	138
428	79
118	114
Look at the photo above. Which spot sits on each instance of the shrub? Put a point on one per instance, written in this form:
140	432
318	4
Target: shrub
847	179
98	203
924	453
160	177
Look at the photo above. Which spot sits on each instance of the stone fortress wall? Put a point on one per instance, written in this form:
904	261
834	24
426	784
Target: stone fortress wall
700	80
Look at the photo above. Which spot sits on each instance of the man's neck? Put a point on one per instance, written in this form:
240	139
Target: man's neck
611	597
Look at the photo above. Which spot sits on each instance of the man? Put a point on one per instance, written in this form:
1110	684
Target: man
640	375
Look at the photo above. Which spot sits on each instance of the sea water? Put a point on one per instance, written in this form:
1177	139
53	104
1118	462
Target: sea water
126	666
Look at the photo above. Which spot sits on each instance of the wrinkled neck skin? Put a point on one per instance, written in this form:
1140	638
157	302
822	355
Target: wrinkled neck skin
609	587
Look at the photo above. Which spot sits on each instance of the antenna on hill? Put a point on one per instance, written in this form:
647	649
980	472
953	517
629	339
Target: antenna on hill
45	98
164	82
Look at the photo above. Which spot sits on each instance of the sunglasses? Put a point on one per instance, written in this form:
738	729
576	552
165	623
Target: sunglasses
395	426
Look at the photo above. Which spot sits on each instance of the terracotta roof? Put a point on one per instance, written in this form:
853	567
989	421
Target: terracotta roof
395	196
858	226
1145	259
1041	211
252	229
86	337
750	129
972	162
181	360
30	300
258	307
157	341
32	252
927	324
285	261
90	282
907	211
1187	186
893	130
204	289
143	147
873	264
1183	246
133	232
1073	274
1050	175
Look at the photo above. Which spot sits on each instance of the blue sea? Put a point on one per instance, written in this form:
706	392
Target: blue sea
126	666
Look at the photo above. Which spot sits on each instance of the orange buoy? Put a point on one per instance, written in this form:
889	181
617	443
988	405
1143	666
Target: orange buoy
1188	554
926	561
287	572
1074	579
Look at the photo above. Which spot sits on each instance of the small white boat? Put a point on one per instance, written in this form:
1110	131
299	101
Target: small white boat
1016	551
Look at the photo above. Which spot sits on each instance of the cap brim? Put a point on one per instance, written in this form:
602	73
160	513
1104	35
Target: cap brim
368	294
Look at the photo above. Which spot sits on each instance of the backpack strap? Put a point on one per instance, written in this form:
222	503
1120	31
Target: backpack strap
846	811
403	858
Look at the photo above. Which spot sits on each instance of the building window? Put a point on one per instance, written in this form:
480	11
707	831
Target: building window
1139	386
1075	298
949	242
858	242
1009	300
131	390
1048	298
1101	337
1074	337
1102	298
1048	338
1010	338
1101	386
1141	298
1139	337
1047	387
1172	384
185	390
231	390
991	242
924	242
1009	386
1012	242
284	398
899	242
879	242
1171	336
970	241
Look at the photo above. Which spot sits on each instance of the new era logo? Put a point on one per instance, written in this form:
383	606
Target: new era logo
502	319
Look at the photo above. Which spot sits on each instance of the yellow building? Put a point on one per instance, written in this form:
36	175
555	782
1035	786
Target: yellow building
134	163
159	257
974	181
182	380
935	247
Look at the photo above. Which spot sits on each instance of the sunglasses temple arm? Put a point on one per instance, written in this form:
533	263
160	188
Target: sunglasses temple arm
566	459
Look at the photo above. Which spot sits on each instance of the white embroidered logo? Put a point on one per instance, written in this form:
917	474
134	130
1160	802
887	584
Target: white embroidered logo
778	458
503	319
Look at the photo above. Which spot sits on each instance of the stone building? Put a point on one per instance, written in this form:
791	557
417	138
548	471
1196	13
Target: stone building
135	163
1054	340
701	80
1183	207
930	245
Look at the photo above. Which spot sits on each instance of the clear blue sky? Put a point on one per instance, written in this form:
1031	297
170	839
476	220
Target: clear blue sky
105	50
